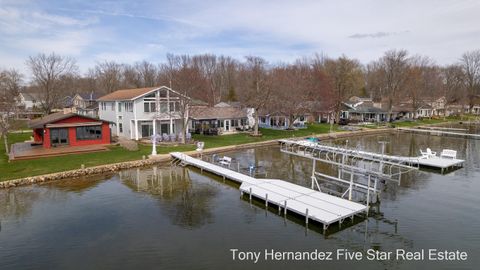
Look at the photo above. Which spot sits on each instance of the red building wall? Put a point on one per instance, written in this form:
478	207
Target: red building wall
72	136
72	133
46	138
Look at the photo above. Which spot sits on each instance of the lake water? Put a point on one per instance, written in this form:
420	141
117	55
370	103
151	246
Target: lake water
164	218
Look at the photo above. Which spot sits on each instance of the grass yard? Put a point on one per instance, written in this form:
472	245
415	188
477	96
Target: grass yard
427	121
24	168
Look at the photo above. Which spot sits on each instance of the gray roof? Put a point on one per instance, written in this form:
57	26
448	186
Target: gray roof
206	113
89	96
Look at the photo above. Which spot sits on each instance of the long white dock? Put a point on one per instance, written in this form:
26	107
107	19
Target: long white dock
433	162
312	204
442	133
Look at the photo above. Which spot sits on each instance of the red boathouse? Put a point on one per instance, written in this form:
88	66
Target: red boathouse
69	129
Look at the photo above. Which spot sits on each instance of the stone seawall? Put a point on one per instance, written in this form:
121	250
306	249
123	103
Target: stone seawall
83	172
165	158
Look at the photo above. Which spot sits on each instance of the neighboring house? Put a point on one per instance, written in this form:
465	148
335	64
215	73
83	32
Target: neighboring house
363	110
141	112
217	120
86	104
438	106
476	105
476	109
403	111
425	110
278	120
69	129
29	100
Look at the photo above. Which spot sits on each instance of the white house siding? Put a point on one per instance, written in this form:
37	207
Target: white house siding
132	122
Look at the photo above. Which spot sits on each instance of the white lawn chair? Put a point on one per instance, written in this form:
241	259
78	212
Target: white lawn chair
166	137
448	153
428	153
188	137
173	137
226	161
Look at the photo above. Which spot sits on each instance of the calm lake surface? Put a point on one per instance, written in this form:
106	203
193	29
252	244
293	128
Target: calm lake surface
164	218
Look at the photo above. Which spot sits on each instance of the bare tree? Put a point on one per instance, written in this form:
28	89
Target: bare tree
256	86
422	81
207	64
346	78
186	79
10	81
393	71
109	76
291	86
47	70
470	62
147	73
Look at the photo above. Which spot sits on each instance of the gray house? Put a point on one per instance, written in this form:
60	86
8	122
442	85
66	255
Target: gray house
141	112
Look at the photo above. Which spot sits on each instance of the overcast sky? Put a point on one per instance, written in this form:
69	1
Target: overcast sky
280	31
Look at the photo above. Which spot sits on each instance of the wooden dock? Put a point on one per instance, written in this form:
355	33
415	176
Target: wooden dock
311	204
442	133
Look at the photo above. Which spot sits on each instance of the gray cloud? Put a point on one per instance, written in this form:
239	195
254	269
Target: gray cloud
376	35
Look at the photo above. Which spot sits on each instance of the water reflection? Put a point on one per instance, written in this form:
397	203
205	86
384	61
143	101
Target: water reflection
179	218
189	203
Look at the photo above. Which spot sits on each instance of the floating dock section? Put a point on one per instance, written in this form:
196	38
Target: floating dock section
311	204
305	146
442	133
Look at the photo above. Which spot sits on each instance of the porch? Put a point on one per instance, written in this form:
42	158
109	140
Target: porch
144	129
281	122
27	150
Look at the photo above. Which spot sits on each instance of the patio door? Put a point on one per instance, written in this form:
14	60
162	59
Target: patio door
147	130
227	125
59	136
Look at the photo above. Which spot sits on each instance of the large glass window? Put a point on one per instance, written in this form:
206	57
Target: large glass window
89	133
149	107
129	106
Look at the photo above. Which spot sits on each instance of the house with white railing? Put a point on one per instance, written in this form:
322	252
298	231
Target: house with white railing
141	112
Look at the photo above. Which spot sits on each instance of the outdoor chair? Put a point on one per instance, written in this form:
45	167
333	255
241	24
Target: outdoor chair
188	136
226	161
173	137
428	153
165	136
448	153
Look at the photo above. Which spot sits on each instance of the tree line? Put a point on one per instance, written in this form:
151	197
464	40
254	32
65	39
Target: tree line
317	83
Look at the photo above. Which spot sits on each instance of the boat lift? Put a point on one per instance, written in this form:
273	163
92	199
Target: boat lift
351	163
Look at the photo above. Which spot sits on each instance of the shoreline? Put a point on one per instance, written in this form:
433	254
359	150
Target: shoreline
164	158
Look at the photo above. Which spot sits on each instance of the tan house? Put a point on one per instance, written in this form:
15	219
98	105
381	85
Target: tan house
218	120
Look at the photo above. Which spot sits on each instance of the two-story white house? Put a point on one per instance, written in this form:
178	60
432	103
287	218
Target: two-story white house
141	112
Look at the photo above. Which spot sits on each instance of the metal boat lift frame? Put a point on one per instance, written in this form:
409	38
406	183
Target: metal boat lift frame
347	160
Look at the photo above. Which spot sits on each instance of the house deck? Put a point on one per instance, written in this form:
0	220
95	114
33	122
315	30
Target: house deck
25	150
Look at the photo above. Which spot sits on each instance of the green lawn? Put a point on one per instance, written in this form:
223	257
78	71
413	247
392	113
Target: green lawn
19	124
24	168
427	121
